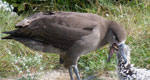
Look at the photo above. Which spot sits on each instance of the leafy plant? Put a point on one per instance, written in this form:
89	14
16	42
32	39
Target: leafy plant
21	6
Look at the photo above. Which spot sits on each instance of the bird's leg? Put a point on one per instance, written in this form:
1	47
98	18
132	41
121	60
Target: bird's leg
70	73
76	71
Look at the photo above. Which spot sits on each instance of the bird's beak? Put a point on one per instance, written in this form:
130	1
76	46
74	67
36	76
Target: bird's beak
113	49
122	52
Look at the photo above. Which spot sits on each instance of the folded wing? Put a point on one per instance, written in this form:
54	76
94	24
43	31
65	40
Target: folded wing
42	33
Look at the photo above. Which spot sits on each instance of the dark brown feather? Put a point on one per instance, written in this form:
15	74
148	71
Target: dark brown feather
41	30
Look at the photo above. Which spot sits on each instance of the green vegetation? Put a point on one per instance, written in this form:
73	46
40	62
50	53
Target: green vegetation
16	59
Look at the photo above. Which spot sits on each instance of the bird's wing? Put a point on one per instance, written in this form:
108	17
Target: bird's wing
46	32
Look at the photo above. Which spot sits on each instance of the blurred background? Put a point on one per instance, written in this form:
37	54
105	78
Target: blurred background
17	60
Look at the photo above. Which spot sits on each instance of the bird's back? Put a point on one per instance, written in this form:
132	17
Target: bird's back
46	31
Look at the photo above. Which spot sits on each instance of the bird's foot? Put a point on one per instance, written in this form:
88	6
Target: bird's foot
76	71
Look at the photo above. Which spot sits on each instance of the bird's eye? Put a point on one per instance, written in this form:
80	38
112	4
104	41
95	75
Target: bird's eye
115	36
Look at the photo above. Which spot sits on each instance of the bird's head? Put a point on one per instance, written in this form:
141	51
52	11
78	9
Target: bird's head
116	37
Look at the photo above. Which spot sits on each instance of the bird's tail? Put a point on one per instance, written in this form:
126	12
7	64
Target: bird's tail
18	36
10	36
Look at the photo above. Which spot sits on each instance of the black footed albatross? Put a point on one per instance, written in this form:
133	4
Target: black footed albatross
70	34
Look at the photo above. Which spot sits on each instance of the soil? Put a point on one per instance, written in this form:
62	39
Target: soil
62	74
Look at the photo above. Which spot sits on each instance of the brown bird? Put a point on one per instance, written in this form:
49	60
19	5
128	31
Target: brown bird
70	34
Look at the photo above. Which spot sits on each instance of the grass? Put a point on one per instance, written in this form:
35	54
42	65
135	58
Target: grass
16	59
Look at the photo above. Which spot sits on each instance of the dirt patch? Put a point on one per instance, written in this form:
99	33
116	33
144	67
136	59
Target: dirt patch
62	74
111	75
55	75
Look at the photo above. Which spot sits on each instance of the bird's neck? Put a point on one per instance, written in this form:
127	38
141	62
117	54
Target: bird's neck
125	70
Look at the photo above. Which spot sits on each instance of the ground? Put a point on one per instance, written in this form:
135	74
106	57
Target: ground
62	74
